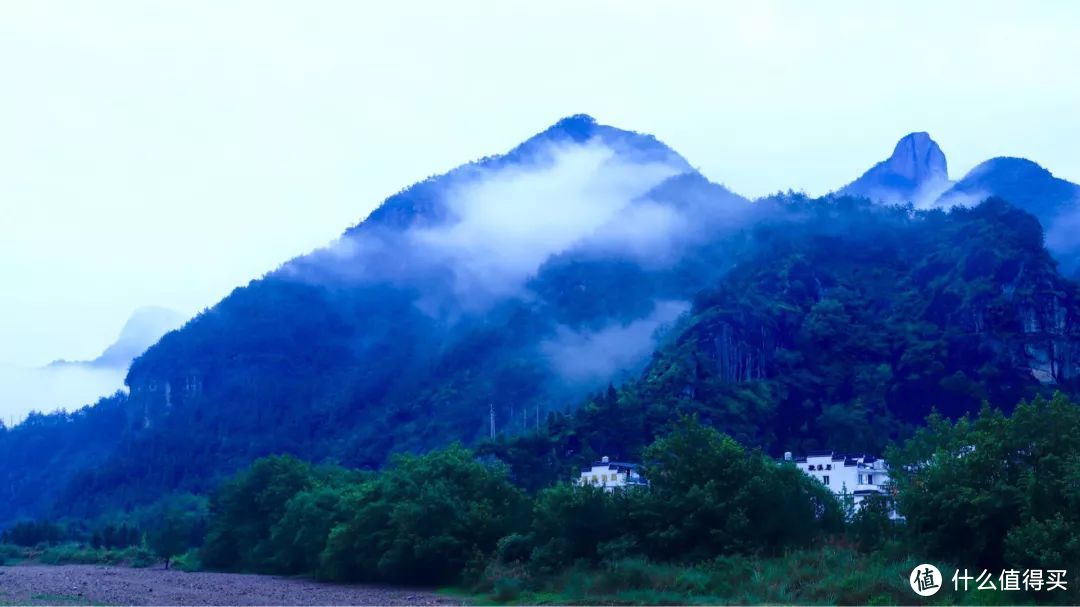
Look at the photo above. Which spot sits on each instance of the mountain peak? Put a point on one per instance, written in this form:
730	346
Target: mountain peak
142	330
578	125
916	172
423	199
918	158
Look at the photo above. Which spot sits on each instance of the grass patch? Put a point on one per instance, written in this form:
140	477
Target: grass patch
831	575
189	561
80	554
10	554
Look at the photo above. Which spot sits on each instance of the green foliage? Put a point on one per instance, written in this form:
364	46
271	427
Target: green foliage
446	516
994	490
115	536
299	536
572	522
422	520
870	527
710	496
826	575
11	554
82	554
244	509
188	561
32	533
172	536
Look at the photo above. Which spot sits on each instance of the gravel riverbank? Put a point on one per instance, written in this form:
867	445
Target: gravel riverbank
106	585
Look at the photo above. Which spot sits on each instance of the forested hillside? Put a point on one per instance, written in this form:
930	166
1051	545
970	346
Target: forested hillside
845	327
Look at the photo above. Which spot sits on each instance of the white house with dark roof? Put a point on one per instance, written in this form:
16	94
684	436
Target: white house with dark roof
612	475
854	476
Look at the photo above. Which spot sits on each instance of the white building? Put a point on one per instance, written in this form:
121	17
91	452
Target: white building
847	476
611	475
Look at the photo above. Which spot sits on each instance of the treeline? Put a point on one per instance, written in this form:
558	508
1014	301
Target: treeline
989	491
447	516
986	491
172	526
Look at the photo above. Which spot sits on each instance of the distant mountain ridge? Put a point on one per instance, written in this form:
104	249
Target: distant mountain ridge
141	330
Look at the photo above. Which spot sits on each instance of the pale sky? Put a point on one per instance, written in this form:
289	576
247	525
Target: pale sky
163	153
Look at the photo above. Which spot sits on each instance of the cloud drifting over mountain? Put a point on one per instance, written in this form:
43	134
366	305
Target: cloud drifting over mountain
497	225
590	356
508	221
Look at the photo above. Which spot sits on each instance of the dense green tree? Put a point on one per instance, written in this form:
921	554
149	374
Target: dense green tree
299	536
571	522
710	496
870	526
246	507
32	533
172	535
115	536
995	490
423	520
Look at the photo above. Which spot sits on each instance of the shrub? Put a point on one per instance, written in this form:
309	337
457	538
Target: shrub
422	520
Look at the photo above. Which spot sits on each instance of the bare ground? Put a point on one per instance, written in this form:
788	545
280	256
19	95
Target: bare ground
108	585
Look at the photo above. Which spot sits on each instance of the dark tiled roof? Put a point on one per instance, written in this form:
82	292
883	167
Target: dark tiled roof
611	466
850	459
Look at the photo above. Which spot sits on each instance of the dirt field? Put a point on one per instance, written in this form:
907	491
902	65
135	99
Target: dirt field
101	585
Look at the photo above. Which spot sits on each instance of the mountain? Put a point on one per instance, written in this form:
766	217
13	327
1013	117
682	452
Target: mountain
143	329
1054	201
495	299
916	172
512	285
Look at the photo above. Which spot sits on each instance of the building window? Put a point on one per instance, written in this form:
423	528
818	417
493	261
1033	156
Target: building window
828	466
825	479
869	479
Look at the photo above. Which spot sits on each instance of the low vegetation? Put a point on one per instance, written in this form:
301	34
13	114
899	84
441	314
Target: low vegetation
718	524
